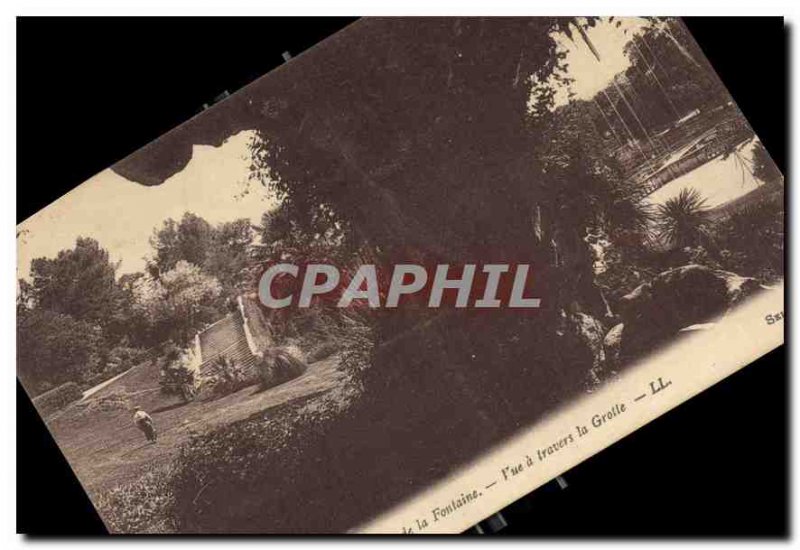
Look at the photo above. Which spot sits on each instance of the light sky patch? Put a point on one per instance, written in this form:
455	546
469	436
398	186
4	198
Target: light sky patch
121	214
590	75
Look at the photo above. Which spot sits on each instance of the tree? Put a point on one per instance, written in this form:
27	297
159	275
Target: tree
129	321
74	317
54	348
668	65
682	220
79	282
177	303
350	161
189	240
228	258
222	251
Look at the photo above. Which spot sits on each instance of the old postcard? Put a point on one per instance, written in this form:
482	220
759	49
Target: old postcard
404	279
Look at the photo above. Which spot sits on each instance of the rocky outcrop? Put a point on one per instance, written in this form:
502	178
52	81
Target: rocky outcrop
612	342
582	343
739	288
675	299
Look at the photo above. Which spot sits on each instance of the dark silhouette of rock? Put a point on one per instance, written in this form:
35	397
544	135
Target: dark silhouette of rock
582	344
675	299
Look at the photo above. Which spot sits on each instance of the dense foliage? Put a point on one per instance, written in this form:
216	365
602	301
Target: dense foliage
80	321
455	152
57	398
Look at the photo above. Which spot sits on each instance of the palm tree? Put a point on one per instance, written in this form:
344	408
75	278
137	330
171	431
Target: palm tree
683	220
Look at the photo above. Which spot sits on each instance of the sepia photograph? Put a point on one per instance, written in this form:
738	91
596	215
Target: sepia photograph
355	279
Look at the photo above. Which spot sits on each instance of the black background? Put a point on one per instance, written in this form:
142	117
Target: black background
91	91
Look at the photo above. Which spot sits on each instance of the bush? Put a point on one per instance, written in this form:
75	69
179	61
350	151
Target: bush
752	239
122	358
257	463
174	378
57	398
227	378
279	366
175	375
141	506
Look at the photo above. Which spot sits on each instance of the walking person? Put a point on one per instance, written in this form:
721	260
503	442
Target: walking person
145	423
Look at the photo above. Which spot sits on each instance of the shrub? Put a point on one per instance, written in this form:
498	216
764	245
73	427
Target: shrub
683	220
174	378
57	398
141	506
227	377
257	463
279	366
753	239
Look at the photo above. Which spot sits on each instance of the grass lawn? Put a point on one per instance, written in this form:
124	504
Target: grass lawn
105	449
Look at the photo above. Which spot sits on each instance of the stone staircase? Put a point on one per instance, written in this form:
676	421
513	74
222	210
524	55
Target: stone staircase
226	338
